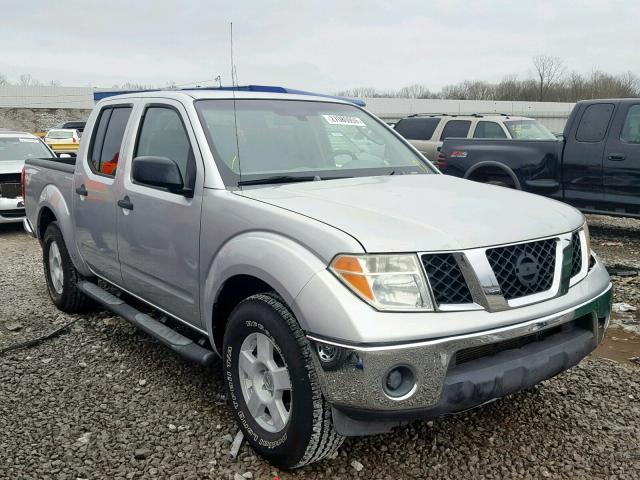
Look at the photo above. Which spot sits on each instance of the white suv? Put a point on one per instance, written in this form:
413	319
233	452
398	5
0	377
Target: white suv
426	132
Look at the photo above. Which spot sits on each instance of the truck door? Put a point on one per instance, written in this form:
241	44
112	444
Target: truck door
159	231
622	161
582	158
94	196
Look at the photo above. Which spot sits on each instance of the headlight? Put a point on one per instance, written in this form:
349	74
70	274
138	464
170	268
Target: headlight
387	282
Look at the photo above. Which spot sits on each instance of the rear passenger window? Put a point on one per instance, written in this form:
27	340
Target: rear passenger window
417	128
631	129
163	135
594	122
489	130
106	143
456	129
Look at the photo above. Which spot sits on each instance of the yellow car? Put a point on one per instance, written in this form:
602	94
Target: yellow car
63	140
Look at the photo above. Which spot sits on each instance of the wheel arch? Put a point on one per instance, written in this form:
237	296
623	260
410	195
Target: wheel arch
53	207
251	263
494	166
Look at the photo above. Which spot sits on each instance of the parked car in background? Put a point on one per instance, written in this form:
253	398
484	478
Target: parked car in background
15	148
426	132
595	166
294	236
63	140
79	126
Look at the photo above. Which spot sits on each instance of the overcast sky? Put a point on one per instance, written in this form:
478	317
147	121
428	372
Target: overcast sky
325	45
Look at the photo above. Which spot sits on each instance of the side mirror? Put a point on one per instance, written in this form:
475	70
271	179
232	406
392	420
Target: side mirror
159	172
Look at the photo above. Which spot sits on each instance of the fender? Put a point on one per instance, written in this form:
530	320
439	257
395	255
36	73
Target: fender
277	260
502	166
52	198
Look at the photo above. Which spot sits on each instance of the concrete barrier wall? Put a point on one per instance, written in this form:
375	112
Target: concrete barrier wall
39	119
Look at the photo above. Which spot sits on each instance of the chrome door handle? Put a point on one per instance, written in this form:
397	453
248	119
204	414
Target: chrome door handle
617	157
82	191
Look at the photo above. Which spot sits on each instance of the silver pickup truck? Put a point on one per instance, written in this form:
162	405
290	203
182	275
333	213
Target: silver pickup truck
346	284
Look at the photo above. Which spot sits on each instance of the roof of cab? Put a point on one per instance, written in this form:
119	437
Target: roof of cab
247	91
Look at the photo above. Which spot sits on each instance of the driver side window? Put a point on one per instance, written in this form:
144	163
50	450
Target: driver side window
162	134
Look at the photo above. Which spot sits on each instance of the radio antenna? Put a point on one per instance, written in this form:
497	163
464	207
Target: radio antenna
236	158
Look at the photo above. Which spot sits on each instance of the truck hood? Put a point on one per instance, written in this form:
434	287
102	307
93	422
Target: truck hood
412	213
11	166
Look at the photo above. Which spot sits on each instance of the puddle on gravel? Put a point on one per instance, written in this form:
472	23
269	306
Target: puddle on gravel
620	345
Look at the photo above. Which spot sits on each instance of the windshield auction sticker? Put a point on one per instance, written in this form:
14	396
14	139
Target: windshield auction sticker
344	120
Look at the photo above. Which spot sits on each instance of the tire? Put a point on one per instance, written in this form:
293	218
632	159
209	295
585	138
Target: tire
308	434
61	276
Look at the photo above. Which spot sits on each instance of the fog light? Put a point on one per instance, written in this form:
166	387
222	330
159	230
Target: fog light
399	382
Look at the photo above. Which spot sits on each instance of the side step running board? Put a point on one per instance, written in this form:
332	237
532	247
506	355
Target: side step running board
172	339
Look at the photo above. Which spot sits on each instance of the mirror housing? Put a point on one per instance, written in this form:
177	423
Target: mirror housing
159	172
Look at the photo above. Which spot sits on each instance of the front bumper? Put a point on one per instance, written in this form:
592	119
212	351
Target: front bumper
515	357
11	210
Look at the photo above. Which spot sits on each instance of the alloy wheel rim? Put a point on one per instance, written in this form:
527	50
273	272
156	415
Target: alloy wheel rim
265	382
56	273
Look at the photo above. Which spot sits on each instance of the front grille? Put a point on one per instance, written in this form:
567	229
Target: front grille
10	178
15	213
525	268
576	256
481	351
447	283
10	190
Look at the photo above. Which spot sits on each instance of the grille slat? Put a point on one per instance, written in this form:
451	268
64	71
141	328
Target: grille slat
446	279
576	258
524	269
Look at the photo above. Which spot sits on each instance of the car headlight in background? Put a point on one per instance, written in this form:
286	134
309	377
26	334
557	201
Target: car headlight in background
387	282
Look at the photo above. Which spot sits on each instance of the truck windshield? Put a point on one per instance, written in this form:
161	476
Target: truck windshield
301	139
20	148
528	130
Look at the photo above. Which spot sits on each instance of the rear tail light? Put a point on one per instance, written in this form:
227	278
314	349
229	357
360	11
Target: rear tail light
23	178
442	161
74	140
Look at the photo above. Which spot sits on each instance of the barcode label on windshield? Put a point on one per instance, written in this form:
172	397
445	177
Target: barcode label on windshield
343	120
28	140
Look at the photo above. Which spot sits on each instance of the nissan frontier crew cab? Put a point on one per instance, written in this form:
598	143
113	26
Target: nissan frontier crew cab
341	300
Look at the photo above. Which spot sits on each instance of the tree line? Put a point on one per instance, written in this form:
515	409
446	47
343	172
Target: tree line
549	81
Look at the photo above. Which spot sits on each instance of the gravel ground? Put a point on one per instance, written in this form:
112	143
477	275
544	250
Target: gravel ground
617	242
104	400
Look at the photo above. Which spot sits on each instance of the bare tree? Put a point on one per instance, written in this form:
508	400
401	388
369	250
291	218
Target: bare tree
26	80
55	83
548	72
3	80
414	91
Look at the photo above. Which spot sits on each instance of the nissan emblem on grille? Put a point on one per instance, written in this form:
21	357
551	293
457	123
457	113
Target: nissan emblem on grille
527	269
524	268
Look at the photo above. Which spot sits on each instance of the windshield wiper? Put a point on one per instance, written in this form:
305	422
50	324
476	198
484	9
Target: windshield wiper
278	179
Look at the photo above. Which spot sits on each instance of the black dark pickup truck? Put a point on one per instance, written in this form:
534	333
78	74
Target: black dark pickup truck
594	167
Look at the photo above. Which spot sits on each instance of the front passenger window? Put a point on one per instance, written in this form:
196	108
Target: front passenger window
163	135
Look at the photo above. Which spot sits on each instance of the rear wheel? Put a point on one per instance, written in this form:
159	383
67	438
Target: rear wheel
273	386
61	276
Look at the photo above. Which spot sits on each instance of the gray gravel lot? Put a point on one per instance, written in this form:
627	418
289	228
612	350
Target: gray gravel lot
104	400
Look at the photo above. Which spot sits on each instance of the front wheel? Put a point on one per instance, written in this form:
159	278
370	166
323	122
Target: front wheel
273	386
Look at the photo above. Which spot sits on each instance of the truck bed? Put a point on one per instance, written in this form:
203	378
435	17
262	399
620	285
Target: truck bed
531	165
50	178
